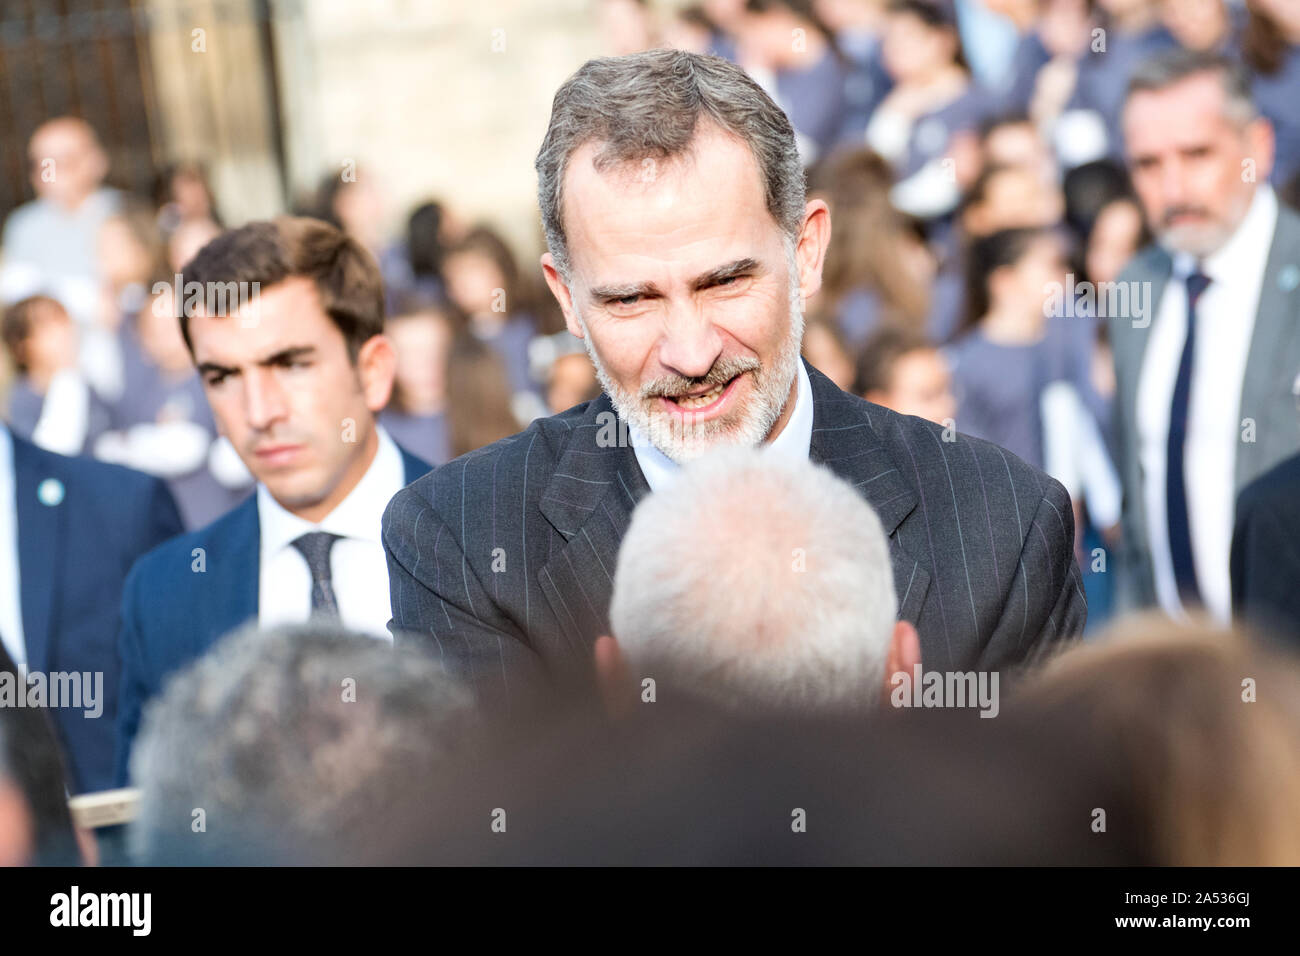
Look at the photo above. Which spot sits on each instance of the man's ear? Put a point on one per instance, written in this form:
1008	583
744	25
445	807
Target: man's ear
613	677
562	295
904	653
810	253
377	365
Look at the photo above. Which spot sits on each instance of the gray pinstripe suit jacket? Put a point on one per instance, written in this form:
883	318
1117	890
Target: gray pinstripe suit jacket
502	559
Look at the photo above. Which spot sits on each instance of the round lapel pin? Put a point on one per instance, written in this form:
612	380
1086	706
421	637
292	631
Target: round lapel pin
50	492
1288	278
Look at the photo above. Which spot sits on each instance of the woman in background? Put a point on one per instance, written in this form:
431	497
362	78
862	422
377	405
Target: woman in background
878	268
478	396
416	415
1003	357
483	281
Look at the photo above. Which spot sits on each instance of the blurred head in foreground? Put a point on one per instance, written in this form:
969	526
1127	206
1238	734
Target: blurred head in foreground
690	785
756	582
35	825
1204	723
291	745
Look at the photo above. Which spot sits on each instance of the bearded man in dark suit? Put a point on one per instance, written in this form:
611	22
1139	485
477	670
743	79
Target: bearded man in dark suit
681	249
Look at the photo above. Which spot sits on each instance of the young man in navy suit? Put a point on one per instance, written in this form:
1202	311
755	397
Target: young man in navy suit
70	529
284	320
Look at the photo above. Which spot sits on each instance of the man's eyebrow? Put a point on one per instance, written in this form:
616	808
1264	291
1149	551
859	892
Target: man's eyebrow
207	368
278	358
288	355
703	281
729	271
606	292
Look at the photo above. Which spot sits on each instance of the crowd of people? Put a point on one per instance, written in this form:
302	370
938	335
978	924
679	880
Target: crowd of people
1052	243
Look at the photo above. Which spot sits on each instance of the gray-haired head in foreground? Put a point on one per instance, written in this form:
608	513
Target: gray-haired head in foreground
757	582
647	106
1169	69
293	742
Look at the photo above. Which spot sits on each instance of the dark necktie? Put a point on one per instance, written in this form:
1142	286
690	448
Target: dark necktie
315	547
1180	532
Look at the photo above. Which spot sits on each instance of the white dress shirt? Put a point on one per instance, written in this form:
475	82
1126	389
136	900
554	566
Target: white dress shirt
358	568
1225	323
793	442
11	611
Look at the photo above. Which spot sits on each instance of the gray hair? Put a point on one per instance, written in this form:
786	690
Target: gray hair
1169	69
757	582
648	105
292	741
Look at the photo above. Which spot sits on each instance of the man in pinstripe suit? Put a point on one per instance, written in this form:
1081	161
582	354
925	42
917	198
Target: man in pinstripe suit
682	247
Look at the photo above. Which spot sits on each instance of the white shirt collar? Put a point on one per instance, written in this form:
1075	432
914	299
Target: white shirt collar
1246	249
356	516
793	442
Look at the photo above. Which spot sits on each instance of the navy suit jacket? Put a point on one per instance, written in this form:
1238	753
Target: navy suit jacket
171	614
502	560
81	525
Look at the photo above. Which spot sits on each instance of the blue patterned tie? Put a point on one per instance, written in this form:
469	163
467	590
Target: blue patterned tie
1180	532
315	547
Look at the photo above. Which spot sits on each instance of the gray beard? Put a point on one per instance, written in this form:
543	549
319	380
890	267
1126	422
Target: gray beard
681	440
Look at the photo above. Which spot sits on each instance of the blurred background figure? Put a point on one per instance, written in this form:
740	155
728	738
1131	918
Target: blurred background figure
416	416
480	406
483	281
1205	379
625	26
932	101
50	402
297	743
50	243
825	348
183	196
561	361
1008	350
791	51
905	371
856	26
1270	47
1204	722
878	268
415	268
1203	26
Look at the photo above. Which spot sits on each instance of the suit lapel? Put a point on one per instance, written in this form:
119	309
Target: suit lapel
589	501
844	440
235	557
1132	350
40	506
1275	326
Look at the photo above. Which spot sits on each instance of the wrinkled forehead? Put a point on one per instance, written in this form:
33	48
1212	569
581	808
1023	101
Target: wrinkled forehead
1188	108
668	208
